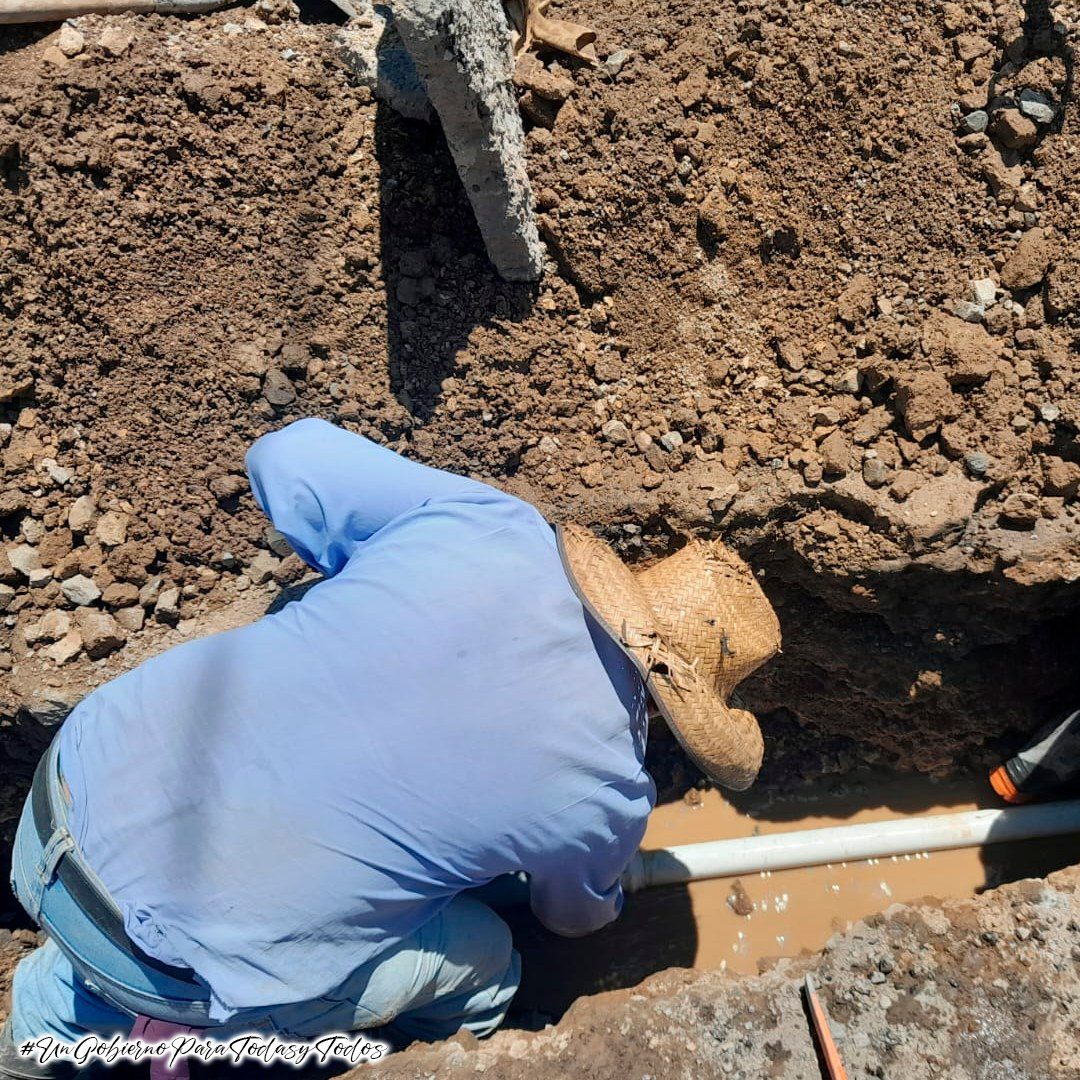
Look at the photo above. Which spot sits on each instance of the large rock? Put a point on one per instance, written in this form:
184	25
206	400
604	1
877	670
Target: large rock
101	633
463	55
1027	265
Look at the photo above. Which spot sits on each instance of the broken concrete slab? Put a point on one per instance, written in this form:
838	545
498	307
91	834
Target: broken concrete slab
462	52
372	49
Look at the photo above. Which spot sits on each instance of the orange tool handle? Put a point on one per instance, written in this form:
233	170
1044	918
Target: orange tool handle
824	1033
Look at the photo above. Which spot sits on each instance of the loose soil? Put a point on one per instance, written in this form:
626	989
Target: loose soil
761	221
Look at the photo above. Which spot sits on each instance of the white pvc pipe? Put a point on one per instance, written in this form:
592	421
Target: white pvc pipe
849	843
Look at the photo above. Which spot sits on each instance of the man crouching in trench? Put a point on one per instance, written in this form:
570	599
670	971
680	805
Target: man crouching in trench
276	828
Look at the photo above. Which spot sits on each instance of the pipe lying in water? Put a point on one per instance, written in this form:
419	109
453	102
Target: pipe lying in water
849	843
31	11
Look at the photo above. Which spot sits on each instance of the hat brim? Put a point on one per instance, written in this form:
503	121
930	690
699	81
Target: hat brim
724	742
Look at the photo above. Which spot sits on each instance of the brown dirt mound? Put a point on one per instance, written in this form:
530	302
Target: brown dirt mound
761	223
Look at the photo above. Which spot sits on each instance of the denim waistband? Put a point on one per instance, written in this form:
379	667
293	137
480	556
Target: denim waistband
114	973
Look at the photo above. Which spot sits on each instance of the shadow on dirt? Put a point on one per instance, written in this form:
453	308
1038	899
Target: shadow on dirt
15	38
439	282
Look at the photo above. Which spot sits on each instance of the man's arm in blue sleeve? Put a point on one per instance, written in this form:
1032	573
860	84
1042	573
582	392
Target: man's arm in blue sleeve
328	490
578	890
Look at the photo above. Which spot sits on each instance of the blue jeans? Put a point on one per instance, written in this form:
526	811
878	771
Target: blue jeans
458	970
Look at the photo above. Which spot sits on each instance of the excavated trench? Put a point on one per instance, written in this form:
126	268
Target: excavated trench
855	731
273	243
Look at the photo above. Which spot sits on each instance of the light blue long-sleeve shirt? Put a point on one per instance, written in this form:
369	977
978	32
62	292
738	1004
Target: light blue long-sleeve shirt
275	805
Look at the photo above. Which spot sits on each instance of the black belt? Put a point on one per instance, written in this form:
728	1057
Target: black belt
82	890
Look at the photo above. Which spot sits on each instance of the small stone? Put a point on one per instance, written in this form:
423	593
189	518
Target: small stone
792	356
1014	130
671	440
277	389
120	594
50	705
926	401
295	359
39	577
849	382
971	46
827	416
54	57
70	41
984	292
1027	265
616	61
249	358
857	300
1021	510
877	977
149	593
547	445
101	633
7	594
1022	933
615	431
835	455
1037	107
49	628
57	473
82	513
874	471
131	618
739	899
111	529
977	463
67	648
975	121
23	558
1062	478
642	440
262	567
80	591
32	530
592	475
717	371
1050	413
969	312
116	41
972	143
167	608
277	543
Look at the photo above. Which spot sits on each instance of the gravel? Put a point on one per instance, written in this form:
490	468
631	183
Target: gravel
975	122
969	312
1037	107
80	591
24	558
984	292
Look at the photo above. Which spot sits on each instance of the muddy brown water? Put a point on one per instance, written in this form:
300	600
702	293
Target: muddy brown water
740	925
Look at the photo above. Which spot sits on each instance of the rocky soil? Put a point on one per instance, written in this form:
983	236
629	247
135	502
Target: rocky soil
813	284
973	990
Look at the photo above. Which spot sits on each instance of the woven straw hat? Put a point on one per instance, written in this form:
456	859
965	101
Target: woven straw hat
695	625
